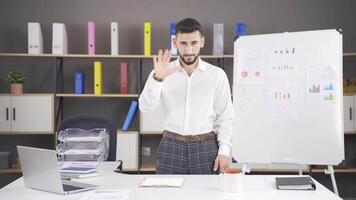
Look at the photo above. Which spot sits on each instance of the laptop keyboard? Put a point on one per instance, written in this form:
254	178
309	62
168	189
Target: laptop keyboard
70	188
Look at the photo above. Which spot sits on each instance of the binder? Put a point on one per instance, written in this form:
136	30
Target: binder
114	38
97	78
295	183
59	39
173	35
218	44
79	83
35	39
123	78
91	38
147	39
130	115
241	29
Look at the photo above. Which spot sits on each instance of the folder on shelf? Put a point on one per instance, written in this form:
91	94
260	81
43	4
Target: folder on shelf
173	35
35	39
114	38
241	29
295	183
79	83
59	39
130	115
147	38
97	78
123	78
91	38
218	44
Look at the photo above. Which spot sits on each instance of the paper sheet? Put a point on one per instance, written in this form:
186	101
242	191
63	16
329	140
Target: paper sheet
162	182
106	194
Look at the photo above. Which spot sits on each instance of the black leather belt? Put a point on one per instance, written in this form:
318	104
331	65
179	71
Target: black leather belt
189	138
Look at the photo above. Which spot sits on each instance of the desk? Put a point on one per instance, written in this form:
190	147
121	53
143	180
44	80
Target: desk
195	187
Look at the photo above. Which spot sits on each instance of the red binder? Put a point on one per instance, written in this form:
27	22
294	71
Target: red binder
123	78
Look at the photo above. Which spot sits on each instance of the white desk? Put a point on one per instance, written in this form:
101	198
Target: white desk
195	187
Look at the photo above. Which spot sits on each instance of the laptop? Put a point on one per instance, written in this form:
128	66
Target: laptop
40	171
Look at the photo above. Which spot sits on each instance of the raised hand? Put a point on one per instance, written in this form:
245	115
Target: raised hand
161	64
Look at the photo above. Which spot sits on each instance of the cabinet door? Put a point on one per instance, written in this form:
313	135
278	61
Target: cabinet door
5	113
32	113
348	113
152	122
127	149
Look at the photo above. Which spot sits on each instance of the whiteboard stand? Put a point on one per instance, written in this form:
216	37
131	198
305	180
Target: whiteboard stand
245	169
331	171
300	169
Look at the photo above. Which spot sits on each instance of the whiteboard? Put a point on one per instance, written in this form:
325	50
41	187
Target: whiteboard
287	92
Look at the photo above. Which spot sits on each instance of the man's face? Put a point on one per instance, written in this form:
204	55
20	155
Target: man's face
188	46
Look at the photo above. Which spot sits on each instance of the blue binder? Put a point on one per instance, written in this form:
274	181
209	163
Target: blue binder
130	115
79	83
241	29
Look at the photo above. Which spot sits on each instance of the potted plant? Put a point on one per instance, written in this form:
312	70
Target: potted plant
16	78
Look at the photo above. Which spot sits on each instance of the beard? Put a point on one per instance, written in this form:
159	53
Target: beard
188	62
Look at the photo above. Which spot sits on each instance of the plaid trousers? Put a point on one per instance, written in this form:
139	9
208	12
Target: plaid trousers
177	157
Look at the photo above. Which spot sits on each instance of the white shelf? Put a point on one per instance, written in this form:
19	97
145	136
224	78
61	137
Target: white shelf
96	95
127	56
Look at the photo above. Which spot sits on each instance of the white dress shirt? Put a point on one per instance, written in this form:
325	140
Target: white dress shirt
195	104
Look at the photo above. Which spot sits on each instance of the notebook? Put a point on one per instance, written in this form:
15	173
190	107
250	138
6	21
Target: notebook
162	182
295	183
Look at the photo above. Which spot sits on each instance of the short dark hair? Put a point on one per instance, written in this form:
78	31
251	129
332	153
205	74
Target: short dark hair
188	25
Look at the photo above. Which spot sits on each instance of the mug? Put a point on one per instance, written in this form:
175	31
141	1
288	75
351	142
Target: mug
230	182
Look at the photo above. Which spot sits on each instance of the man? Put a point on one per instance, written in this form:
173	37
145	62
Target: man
196	98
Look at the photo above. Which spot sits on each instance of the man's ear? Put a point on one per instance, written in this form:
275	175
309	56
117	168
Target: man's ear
175	41
202	41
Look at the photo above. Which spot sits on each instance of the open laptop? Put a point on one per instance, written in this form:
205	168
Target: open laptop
40	171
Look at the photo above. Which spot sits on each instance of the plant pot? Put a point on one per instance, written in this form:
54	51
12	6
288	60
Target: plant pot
16	88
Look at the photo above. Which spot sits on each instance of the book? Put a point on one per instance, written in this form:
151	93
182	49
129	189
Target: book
147	39
78	170
123	78
97	78
91	38
295	183
162	182
130	115
78	175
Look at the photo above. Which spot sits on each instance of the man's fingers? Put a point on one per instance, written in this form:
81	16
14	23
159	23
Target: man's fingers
155	64
160	55
216	164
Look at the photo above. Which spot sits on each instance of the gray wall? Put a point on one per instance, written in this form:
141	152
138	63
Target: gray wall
262	17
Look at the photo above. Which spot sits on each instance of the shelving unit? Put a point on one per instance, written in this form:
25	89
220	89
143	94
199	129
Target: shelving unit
145	164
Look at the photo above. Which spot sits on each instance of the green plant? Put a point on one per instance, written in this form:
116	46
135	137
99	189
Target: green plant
15	77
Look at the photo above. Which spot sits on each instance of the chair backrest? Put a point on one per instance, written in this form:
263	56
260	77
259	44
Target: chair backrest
89	121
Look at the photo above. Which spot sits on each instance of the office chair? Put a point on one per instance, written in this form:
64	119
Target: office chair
90	121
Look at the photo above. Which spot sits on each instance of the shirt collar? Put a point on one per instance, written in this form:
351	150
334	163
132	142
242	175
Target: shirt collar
200	66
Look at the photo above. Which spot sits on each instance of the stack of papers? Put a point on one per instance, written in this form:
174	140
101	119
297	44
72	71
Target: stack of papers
79	172
162	182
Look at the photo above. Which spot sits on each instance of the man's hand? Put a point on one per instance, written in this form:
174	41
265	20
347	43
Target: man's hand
221	163
161	64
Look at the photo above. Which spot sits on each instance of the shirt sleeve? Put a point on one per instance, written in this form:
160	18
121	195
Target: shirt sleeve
151	94
225	114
